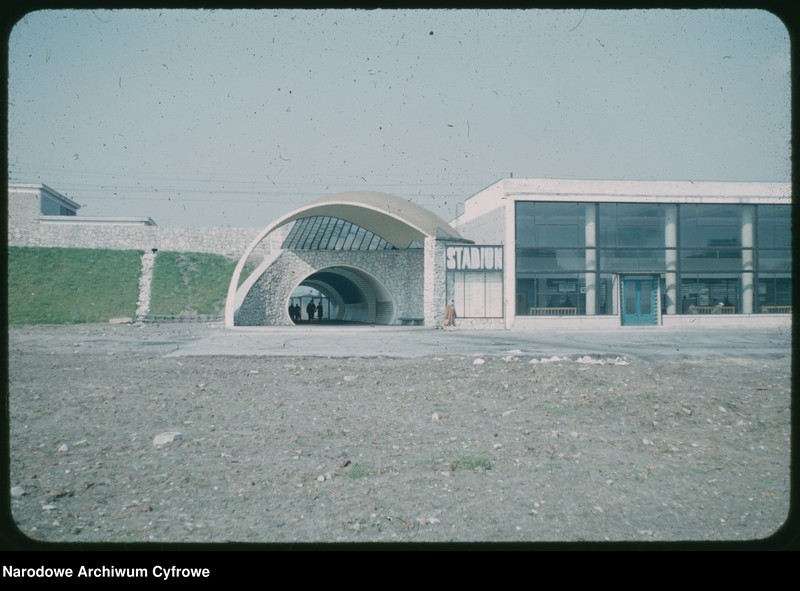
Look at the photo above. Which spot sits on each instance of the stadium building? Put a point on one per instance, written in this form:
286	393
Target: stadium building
533	253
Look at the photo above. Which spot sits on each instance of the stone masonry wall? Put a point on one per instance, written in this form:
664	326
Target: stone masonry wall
400	272
23	213
435	296
229	242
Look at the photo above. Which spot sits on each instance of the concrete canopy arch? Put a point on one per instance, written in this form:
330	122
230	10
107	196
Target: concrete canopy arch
401	223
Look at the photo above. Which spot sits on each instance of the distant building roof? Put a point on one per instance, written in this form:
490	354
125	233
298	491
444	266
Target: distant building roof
45	191
530	189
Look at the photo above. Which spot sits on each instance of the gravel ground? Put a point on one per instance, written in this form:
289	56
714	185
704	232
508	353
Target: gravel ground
456	448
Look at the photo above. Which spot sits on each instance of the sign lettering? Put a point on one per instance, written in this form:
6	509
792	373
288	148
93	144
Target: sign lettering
474	258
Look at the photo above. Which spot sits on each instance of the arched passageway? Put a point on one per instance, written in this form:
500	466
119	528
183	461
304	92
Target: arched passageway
363	250
355	295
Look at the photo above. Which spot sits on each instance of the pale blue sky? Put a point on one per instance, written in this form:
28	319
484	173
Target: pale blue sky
233	118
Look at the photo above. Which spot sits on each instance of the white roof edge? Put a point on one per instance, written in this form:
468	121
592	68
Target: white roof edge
118	220
638	198
632	188
512	189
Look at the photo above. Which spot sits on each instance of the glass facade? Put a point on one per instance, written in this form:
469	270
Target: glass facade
708	258
329	233
774	258
550	258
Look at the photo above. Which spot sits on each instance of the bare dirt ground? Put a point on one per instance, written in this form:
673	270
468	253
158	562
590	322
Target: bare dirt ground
452	448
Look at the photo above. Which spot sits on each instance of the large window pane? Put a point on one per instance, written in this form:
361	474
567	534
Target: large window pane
550	224
474	295
774	294
305	230
716	226
606	286
551	296
631	225
326	237
701	294
774	226
550	259
632	259
711	260
494	295
775	260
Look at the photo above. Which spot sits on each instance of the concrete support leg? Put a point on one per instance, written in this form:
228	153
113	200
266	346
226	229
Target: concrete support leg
748	264
671	259
145	281
591	259
434	282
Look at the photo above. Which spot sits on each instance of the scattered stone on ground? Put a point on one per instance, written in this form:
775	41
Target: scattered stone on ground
428	449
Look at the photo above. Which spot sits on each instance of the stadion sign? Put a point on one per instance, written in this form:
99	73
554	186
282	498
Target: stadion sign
474	258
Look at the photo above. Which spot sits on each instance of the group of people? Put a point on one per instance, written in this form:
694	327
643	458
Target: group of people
312	310
718	308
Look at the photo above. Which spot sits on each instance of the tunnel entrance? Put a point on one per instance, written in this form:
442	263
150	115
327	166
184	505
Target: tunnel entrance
348	295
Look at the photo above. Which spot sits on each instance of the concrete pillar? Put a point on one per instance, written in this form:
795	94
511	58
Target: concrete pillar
748	266
145	283
510	275
671	258
434	286
591	258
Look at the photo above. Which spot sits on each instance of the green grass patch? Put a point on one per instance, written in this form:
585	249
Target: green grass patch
74	285
71	285
357	471
190	283
472	463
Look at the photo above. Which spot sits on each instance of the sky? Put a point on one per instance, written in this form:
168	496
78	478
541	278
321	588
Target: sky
235	117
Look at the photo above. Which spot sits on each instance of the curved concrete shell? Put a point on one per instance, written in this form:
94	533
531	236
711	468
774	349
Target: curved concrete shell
403	224
396	220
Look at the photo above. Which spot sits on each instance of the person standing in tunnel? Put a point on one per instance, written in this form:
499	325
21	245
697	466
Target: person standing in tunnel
310	309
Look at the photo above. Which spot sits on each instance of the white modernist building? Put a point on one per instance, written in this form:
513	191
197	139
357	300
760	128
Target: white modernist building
623	253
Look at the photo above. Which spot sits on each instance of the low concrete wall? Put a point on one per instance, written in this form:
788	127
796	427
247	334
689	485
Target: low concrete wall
480	324
681	321
534	323
728	320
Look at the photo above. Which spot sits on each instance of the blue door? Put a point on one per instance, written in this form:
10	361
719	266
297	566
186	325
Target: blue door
639	300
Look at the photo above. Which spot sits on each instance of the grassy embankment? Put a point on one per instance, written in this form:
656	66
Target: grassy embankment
190	283
69	285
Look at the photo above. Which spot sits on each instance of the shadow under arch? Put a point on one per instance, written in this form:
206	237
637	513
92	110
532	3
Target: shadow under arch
358	295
